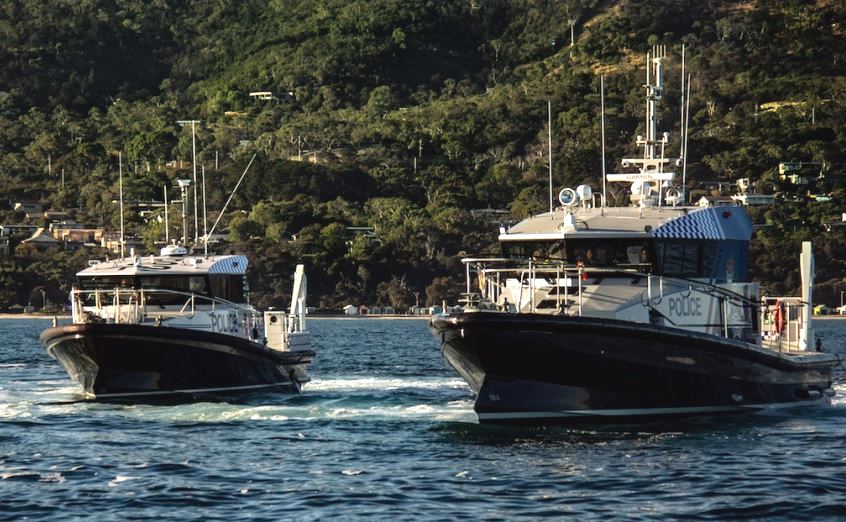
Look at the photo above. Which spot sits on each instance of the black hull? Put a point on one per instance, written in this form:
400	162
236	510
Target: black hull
529	368
123	361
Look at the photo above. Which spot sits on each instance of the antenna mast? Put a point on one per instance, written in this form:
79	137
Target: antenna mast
205	234
602	125
651	165
686	132
549	115
167	226
120	187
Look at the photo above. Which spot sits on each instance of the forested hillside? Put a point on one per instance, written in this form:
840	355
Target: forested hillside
389	122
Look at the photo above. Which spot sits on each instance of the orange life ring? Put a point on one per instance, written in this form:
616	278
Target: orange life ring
778	317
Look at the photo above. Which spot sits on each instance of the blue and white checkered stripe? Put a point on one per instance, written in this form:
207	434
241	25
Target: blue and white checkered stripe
230	265
701	224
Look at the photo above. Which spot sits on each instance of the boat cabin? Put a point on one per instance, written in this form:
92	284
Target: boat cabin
167	280
706	243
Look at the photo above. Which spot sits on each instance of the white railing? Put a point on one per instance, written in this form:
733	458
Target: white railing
781	332
782	320
527	274
134	306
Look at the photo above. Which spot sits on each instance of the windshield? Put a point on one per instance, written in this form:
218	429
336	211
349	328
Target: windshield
591	252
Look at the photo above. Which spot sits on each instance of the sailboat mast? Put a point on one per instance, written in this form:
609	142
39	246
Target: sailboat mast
120	188
167	225
549	123
205	233
602	125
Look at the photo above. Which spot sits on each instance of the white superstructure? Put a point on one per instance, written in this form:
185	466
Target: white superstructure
203	293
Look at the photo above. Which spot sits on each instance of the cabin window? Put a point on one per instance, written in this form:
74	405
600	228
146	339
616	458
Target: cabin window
686	258
538	250
183	284
188	284
611	252
229	287
105	282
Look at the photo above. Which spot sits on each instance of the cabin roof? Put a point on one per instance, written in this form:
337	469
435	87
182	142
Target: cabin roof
631	222
182	265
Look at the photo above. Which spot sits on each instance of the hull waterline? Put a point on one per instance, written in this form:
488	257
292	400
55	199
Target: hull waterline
531	368
126	361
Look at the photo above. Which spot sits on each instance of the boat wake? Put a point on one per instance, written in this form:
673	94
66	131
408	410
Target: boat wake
384	383
839	398
331	399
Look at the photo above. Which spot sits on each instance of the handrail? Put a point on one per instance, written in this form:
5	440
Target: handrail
138	302
153	291
551	267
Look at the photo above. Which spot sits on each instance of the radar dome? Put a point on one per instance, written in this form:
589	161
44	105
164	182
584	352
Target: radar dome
641	188
585	192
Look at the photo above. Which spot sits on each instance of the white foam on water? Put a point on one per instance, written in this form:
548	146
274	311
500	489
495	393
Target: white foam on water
839	398
15	410
384	383
453	411
121	478
15	472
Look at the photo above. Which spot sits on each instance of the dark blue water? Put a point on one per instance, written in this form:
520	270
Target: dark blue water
386	430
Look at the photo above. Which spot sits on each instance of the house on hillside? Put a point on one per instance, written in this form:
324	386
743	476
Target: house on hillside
80	235
17	230
30	208
56	215
111	241
754	200
41	238
715	201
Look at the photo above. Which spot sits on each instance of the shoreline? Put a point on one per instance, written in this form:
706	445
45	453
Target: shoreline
339	317
34	316
310	317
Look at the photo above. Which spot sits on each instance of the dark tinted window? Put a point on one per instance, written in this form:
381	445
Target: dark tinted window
229	287
105	282
630	253
188	284
687	258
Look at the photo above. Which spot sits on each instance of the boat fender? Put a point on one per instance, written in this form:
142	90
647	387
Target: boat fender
818	344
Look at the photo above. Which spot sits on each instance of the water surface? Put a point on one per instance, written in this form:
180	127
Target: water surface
386	430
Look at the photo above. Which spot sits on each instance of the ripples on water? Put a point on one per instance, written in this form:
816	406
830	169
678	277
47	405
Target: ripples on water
386	430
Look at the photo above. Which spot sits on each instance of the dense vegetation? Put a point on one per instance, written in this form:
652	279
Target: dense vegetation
416	112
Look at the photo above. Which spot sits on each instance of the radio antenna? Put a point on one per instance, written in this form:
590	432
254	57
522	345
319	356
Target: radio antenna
602	126
549	115
686	132
167	225
205	234
120	188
